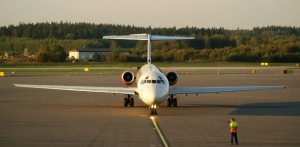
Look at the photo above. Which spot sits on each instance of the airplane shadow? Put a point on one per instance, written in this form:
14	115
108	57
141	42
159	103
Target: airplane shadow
261	109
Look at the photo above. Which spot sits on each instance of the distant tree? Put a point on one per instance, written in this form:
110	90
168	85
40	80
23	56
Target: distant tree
114	56
57	54
98	57
113	44
43	54
271	43
54	54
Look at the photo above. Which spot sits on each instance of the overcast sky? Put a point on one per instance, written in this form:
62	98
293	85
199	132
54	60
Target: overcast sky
230	14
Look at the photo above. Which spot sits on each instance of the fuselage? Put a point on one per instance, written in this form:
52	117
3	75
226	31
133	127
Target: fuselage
152	85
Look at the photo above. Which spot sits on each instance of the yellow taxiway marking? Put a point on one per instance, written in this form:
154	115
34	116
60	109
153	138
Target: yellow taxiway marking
161	136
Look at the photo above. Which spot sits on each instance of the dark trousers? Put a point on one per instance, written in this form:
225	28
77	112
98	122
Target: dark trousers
234	135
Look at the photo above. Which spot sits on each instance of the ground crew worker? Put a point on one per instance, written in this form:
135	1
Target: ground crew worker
233	131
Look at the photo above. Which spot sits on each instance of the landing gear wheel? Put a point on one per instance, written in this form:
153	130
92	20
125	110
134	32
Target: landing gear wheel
125	102
171	101
131	103
175	102
128	101
153	111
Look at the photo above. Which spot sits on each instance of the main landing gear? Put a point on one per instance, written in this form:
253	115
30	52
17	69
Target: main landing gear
153	109
172	102
128	101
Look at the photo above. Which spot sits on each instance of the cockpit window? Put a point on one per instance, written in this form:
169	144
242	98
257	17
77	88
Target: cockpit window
152	81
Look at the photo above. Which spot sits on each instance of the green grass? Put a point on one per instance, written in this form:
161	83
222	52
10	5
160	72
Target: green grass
135	64
96	66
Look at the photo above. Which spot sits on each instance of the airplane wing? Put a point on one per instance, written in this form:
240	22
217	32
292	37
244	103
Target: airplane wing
195	90
114	90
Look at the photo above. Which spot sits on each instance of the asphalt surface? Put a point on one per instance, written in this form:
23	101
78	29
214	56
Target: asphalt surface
36	117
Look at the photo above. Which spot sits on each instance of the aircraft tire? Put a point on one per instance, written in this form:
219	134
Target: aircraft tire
153	111
175	102
125	102
169	102
131	102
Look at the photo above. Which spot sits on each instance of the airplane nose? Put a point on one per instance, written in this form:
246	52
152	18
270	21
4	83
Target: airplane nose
148	97
155	95
160	95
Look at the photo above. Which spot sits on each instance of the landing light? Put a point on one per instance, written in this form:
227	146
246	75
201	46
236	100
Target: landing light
154	106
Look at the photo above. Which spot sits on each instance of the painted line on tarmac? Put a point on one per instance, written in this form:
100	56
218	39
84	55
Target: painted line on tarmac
160	134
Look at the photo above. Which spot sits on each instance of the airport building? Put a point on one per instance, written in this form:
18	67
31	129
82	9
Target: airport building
88	53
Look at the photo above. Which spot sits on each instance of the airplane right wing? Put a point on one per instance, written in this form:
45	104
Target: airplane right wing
113	90
195	90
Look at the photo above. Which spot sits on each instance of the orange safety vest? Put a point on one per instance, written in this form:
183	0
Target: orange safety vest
233	126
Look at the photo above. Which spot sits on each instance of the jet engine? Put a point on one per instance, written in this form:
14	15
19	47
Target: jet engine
127	78
172	78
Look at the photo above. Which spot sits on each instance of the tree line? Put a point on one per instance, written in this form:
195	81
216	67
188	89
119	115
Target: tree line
271	43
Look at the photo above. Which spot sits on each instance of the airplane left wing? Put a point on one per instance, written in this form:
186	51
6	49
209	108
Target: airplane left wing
195	90
113	90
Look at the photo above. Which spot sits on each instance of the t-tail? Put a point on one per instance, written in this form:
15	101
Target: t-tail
147	37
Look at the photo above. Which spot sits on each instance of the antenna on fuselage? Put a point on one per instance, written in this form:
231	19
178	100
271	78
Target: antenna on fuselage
147	37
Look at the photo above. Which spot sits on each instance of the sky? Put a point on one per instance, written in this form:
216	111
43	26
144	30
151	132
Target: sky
230	14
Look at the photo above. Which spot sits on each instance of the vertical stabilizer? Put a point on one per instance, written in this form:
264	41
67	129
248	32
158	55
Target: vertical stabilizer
149	49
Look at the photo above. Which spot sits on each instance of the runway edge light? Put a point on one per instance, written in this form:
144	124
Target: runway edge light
2	74
264	64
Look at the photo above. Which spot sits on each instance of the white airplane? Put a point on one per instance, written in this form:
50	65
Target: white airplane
153	86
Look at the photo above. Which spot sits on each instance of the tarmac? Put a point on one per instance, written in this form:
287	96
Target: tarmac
37	117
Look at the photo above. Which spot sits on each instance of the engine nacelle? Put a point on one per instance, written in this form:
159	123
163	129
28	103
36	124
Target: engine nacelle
128	78
172	78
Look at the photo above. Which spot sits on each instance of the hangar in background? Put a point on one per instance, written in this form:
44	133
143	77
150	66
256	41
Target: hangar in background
88	53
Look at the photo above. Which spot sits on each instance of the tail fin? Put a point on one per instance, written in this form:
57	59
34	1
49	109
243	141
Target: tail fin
147	37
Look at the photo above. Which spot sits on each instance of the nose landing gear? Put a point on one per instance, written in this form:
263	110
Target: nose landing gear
153	109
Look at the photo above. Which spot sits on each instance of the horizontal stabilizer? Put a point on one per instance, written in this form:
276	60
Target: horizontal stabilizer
128	37
156	37
145	37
